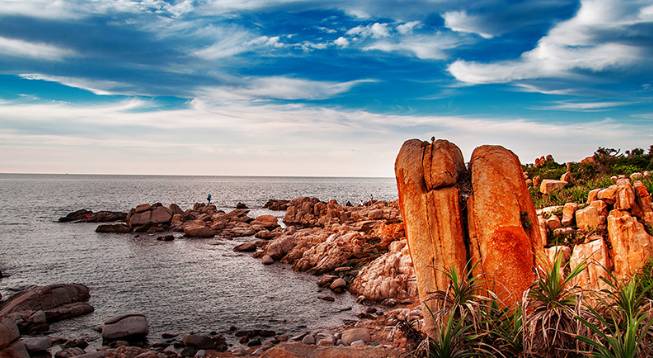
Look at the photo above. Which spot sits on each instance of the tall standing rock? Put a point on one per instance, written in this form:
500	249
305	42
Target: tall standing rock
503	227
427	176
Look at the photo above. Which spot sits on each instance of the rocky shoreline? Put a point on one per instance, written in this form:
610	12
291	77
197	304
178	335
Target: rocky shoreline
360	249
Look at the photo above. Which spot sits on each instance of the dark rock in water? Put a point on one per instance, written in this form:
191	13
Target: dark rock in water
69	352
113	228
130	327
88	216
277	205
76	216
241	206
249	246
34	308
197	341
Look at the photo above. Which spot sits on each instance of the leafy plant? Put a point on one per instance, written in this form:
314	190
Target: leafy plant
550	311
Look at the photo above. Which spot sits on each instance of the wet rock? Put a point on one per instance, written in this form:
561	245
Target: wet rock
113	228
338	285
130	327
249	246
277	205
267	260
69	352
217	343
355	334
241	206
301	350
198	229
36	344
39	305
266	221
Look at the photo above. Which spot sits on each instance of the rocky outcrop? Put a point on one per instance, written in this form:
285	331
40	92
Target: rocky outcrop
631	246
427	176
389	276
88	216
505	241
550	186
34	308
301	350
277	205
10	345
131	328
594	255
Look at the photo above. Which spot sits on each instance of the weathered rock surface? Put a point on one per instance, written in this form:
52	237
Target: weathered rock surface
301	350
595	256
550	186
276	204
430	207
126	327
37	306
631	245
85	215
505	240
389	276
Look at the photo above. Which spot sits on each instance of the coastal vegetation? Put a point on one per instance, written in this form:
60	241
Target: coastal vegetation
592	172
556	318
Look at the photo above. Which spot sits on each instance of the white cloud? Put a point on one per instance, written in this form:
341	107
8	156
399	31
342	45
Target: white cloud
233	41
376	30
34	50
341	41
408	27
242	139
575	44
584	106
98	87
460	21
426	47
285	88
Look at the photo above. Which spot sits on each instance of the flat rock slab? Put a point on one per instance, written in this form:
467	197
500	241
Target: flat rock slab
300	350
131	326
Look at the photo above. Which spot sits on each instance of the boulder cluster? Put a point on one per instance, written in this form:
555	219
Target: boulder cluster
200	221
482	214
611	233
356	248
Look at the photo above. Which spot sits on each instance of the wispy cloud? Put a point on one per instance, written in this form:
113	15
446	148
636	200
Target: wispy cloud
583	106
98	87
33	50
460	21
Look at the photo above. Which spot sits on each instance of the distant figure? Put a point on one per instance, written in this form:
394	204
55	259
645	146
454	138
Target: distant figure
208	198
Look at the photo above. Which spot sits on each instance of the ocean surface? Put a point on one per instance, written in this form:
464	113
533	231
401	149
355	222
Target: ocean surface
197	285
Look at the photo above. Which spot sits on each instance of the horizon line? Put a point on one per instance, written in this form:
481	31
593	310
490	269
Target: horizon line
202	175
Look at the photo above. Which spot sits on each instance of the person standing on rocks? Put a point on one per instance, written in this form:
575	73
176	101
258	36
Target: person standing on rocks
208	198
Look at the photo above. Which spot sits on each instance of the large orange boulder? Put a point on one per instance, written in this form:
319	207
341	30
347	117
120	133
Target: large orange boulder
631	246
595	255
429	199
503	227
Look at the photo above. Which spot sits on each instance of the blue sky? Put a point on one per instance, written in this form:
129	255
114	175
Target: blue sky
300	87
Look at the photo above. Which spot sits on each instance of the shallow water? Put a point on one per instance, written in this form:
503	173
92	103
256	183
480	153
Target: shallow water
181	286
